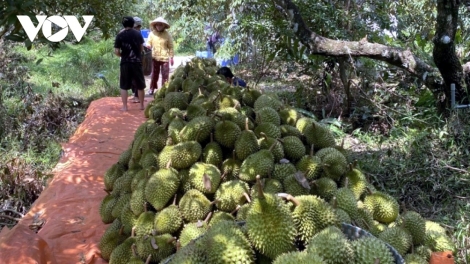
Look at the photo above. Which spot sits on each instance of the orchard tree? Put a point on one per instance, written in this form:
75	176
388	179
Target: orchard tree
422	41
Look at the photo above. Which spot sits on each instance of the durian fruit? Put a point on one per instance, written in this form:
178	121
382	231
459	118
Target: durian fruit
259	163
194	206
246	144
157	138
325	188
269	225
106	208
113	173
296	257
331	245
356	181
135	258
277	149
168	220
334	162
230	168
212	153
414	259
302	123
282	170
369	249
226	243
249	96
193	252
161	187
226	133
242	212
230	194
204	177
383	206
310	165
270	129
289	116
267	100
437	239
416	225
193	231
311	215
122	253
145	223
269	115
287	130
319	135
294	149
219	216
111	238
198	129
397	237
296	184
345	200
121	201
137	201
157	246
268	185
424	251
184	154
128	219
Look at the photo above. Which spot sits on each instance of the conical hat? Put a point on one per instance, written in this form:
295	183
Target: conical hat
159	20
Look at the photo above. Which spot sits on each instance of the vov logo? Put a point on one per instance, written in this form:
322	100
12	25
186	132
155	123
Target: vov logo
64	23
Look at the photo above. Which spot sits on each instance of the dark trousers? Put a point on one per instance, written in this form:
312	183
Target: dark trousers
164	68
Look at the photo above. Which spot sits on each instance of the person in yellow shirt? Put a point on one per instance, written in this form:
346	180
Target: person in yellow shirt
161	42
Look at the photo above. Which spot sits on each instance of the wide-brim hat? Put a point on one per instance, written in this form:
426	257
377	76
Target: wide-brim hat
159	20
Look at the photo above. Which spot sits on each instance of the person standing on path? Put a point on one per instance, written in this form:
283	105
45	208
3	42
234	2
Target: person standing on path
129	46
161	43
138	27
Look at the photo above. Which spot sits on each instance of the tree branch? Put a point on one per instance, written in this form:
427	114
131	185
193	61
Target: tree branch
319	45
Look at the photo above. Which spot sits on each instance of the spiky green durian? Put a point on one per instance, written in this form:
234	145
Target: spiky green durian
161	187
413	258
158	247
192	231
249	96
345	200
319	135
303	122
282	170
356	181
369	249
226	133
212	153
325	188
194	205
246	144
269	115
294	149
416	225
204	177
334	163
383	206
270	129
230	194
198	129
310	165
259	163
296	257
220	216
145	223
168	220
230	168
267	100
296	184
106	208
332	245
397	237
269	225
289	116
269	185
287	130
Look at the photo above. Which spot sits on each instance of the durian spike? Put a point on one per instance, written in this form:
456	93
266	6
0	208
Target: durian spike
260	188
153	243
289	198
311	150
247	197
236	209
207	182
147	261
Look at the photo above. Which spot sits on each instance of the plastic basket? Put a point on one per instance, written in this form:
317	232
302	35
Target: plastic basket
354	232
145	33
204	54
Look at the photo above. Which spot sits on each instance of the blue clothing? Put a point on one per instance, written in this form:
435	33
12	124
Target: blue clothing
238	82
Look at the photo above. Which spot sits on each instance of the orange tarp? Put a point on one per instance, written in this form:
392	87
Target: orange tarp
70	204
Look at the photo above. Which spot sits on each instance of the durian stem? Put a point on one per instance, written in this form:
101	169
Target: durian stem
168	165
346	182
334	203
272	146
147	261
289	198
234	155
260	188
355	163
311	150
247	197
174	199
133	231
246	124
263	135
351	167
133	248
236	209
208	217
178	245
369	191
153	243
206	181
377	261
171	240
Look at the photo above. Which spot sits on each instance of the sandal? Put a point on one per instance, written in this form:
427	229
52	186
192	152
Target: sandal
151	92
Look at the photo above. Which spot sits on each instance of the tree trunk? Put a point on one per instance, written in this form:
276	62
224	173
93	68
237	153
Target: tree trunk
444	51
450	70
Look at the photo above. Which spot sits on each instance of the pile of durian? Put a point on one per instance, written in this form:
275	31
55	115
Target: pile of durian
224	174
